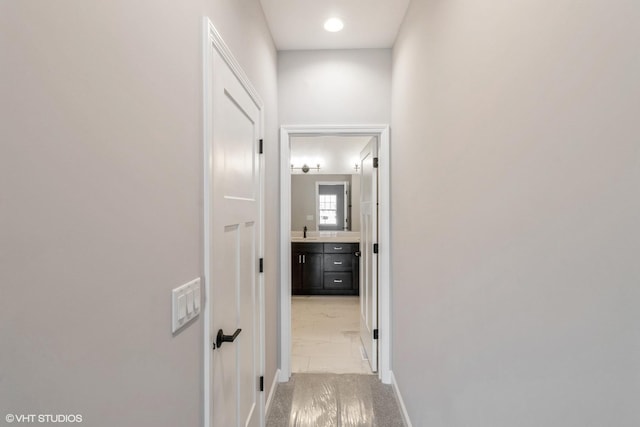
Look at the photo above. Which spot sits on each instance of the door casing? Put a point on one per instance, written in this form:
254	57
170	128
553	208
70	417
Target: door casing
384	238
211	38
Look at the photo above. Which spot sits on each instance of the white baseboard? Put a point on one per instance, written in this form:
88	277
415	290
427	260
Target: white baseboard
403	409
283	377
272	392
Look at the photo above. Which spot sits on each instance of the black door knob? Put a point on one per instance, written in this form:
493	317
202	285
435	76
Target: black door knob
226	338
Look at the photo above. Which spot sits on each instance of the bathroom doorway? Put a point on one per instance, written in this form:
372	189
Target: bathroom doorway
321	268
325	261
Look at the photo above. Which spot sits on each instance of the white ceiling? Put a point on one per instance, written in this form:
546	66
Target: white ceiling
298	24
335	154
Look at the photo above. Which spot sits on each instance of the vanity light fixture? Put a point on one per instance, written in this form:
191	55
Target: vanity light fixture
356	167
305	168
333	25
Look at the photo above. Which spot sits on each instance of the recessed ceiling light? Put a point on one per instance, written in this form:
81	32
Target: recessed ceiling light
333	25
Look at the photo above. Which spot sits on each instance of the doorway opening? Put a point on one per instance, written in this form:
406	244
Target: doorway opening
325	265
319	264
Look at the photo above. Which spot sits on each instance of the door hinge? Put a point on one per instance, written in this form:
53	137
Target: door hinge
375	248
261	265
260	149
261	383
375	162
375	334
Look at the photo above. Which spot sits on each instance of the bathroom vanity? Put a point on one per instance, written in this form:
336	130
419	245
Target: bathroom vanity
325	267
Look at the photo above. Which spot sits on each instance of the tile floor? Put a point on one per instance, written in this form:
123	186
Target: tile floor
325	335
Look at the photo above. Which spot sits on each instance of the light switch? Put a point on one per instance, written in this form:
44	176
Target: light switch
189	302
196	298
185	303
309	217
182	307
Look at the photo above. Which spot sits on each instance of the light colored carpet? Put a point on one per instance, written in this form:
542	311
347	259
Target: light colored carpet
334	400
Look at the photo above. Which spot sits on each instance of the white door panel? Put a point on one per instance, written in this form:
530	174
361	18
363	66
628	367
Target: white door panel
368	263
238	136
234	248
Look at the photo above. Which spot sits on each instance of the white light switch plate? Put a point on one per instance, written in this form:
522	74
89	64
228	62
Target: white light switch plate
185	301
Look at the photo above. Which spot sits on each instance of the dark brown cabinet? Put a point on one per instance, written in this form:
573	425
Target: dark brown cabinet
306	267
325	268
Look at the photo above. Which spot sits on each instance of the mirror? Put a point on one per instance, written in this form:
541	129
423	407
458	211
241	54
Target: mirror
323	168
332	206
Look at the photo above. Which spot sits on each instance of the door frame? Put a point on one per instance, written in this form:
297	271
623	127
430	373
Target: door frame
384	237
344	197
212	38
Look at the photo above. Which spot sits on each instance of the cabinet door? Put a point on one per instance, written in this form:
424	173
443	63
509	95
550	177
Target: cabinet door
296	272
312	273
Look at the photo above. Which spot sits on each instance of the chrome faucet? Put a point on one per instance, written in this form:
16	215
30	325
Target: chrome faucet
305	232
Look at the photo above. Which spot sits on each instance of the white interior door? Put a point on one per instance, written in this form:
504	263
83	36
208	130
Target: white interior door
369	261
234	248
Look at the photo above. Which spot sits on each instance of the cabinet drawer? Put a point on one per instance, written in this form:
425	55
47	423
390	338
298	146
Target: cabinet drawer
310	248
338	262
340	248
337	281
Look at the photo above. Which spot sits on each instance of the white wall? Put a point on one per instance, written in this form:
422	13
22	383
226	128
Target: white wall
334	86
101	204
515	173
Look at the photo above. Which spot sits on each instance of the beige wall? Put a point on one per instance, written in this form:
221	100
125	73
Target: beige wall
334	86
515	173
101	202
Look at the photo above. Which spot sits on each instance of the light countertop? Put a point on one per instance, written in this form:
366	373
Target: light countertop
326	236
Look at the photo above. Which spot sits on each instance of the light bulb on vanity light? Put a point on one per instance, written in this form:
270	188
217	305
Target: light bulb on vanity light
305	168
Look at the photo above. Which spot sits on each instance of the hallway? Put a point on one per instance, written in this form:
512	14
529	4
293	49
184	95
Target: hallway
329	400
511	282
